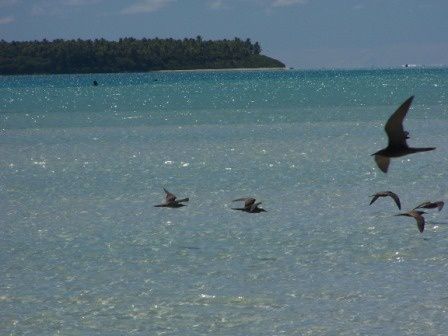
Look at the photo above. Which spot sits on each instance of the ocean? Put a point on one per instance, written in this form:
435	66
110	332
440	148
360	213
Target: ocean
83	250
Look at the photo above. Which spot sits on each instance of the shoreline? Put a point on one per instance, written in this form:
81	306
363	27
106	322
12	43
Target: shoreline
429	67
151	71
221	69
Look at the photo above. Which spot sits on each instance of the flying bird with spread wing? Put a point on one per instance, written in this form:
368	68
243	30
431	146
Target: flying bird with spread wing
171	201
397	136
249	205
394	196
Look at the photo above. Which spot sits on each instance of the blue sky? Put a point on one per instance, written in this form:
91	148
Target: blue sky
301	33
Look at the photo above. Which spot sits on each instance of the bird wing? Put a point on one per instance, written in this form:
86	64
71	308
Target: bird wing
420	220
421	205
440	205
375	197
394	126
382	162
169	196
248	201
396	199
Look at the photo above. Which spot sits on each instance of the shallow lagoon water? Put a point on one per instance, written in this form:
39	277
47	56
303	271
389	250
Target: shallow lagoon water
84	252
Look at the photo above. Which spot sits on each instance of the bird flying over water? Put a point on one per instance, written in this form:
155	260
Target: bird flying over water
431	205
249	205
385	194
397	136
171	201
418	217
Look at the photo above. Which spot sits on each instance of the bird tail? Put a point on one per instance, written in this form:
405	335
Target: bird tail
424	149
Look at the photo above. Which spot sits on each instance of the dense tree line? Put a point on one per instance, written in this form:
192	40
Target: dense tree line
129	55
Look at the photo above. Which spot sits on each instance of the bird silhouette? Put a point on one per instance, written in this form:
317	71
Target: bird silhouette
431	205
249	205
171	201
418	217
397	136
385	194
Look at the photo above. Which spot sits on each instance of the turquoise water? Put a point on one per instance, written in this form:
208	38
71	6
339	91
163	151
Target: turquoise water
84	252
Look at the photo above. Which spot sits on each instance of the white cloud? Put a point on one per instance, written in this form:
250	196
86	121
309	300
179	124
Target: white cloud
146	6
284	3
6	20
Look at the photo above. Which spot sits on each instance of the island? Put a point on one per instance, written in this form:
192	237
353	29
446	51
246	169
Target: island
129	55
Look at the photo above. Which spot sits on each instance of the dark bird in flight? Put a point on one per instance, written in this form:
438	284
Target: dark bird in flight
418	217
249	205
397	145
431	205
385	194
171	201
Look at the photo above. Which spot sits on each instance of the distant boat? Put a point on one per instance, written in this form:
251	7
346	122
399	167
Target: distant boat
409	65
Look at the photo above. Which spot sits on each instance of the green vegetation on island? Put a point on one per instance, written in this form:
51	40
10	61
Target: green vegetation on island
130	55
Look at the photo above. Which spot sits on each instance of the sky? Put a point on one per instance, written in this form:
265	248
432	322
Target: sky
305	34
